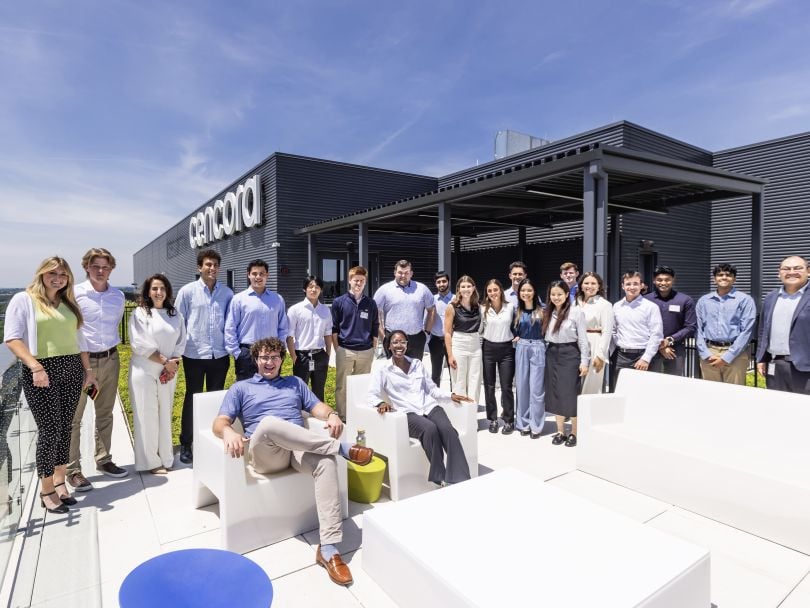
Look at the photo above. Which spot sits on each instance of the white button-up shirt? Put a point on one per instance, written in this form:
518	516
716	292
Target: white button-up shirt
102	312
638	325
309	324
412	392
498	325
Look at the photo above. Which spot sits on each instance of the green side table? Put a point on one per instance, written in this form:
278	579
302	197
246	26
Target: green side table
365	483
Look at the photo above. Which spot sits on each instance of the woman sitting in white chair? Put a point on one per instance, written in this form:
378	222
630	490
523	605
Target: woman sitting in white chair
410	389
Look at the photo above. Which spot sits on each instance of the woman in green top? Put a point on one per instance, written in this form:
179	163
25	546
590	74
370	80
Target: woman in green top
41	329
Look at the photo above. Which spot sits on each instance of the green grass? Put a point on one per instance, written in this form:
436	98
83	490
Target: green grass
180	391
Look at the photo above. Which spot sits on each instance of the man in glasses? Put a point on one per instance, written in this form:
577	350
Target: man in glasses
270	406
102	307
783	352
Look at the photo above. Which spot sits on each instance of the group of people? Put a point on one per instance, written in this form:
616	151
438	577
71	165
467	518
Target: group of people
544	355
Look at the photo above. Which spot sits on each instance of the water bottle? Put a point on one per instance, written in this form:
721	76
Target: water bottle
361	437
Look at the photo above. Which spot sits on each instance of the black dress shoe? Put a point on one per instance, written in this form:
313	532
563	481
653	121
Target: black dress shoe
186	455
572	441
535	435
493	426
559	438
508	428
524	432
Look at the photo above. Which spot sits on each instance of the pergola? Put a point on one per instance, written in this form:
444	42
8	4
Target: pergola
589	183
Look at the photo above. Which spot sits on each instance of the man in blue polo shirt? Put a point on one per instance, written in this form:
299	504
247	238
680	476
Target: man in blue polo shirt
255	313
355	325
680	322
270	406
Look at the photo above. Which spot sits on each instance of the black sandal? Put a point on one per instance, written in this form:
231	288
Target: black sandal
559	438
66	500
60	510
572	441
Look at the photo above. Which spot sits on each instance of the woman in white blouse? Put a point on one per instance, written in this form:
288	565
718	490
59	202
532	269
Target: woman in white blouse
567	357
498	353
599	323
158	337
402	383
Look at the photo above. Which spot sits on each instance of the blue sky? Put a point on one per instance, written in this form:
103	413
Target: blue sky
119	118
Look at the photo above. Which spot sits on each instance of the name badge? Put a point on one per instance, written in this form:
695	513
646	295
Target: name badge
771	369
674	308
312	365
364	314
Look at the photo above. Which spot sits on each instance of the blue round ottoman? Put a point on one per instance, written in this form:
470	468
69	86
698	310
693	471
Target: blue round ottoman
197	577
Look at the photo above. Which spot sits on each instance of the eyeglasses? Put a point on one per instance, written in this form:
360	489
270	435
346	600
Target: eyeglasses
268	358
101	268
792	268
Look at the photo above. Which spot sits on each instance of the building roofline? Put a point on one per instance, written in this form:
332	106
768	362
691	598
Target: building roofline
767	142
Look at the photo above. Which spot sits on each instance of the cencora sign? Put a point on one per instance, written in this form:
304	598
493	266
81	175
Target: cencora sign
228	215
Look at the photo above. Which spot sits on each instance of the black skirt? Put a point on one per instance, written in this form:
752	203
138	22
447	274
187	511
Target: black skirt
562	378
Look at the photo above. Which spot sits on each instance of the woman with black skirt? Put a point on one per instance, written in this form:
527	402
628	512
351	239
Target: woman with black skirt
567	359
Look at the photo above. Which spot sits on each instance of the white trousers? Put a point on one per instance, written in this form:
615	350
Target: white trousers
592	385
152	404
467	375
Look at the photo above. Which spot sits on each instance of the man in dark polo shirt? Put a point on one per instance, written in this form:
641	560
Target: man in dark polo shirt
355	323
679	318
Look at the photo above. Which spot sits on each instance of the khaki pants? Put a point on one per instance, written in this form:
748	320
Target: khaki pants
733	373
278	444
348	363
106	370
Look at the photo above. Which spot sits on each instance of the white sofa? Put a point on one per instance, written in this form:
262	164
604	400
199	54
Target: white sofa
254	510
408	466
735	454
565	552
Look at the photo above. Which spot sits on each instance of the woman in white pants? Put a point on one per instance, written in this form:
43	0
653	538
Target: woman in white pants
462	321
599	323
158	337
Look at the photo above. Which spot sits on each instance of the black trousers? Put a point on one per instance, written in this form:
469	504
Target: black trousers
787	378
416	345
318	375
438	355
619	361
244	364
500	355
671	367
210	373
437	436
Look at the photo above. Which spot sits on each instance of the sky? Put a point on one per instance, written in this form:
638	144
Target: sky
117	119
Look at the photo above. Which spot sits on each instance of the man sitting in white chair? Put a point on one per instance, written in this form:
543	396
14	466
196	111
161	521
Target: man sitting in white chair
411	390
269	406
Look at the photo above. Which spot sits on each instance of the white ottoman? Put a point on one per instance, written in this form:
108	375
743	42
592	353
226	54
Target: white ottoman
508	539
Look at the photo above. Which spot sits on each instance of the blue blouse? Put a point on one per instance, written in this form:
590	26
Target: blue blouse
528	330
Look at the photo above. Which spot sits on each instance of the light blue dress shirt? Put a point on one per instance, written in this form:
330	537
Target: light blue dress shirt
728	318
782	319
404	307
438	319
252	317
205	312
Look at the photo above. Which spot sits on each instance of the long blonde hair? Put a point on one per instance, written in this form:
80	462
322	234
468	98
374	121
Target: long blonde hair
36	289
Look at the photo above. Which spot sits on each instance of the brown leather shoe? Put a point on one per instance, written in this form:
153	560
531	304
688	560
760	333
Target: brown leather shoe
360	455
336	568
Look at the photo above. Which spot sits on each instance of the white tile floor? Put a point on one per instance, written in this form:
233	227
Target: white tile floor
143	515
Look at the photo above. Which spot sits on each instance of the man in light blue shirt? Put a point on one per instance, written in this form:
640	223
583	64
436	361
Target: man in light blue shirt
254	313
517	272
402	304
783	352
204	305
725	322
438	352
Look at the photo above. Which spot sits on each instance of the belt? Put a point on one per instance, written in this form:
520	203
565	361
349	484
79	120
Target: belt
593	331
632	351
718	343
103	354
781	358
310	352
550	344
245	345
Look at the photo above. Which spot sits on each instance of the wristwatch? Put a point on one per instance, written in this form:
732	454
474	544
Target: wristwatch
670	341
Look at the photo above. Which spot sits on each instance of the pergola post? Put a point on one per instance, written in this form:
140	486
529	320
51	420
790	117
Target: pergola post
362	244
588	219
614	272
445	234
601	253
757	204
312	255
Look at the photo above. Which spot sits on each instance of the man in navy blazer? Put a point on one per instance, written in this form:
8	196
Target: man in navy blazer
783	353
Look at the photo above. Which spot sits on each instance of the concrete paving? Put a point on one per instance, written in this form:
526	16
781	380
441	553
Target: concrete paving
84	558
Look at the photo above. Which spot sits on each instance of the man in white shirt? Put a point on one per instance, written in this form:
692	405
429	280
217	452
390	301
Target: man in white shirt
517	272
310	339
102	308
637	329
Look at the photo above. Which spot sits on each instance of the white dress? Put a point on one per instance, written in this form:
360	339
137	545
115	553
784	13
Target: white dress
598	316
152	402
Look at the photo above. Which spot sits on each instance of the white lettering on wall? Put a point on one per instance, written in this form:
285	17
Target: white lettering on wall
228	215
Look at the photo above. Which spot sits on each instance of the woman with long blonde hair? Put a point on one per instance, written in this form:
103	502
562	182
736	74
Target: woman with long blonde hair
42	330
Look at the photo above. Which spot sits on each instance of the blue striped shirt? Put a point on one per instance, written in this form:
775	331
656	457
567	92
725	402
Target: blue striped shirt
254	316
204	312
